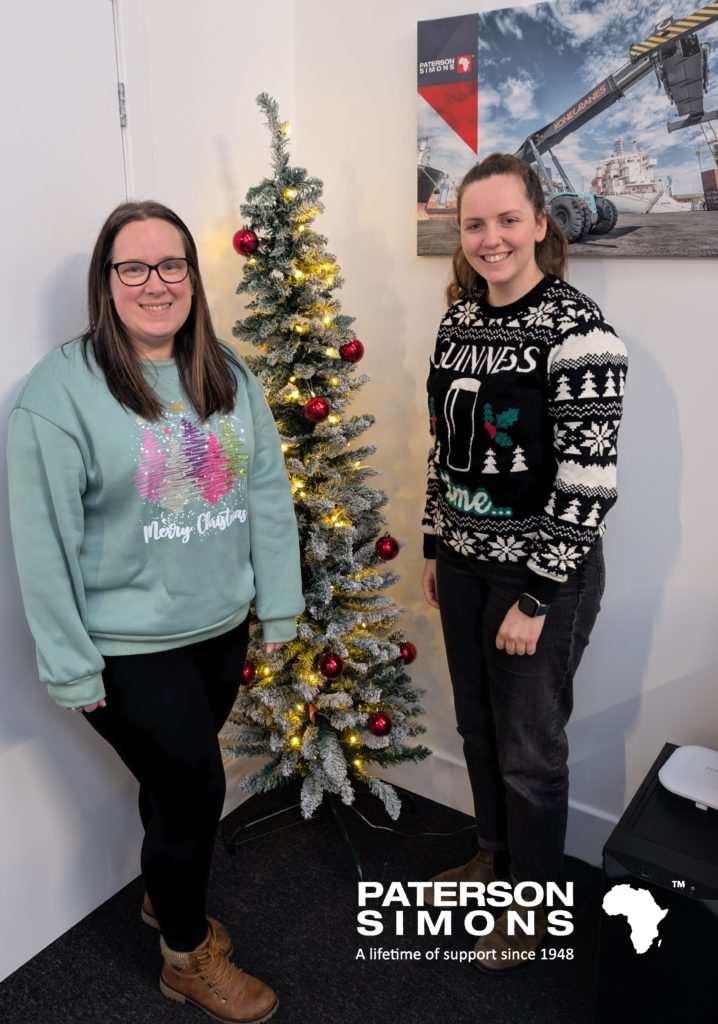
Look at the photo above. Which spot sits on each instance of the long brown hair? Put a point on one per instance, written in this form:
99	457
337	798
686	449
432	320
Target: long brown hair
551	252
203	366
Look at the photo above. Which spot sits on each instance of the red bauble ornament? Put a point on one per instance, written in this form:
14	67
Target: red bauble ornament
249	673
245	241
331	666
317	409
387	547
352	351
312	714
408	652
379	723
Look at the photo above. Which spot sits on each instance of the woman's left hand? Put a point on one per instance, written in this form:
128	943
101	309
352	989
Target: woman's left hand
518	633
271	648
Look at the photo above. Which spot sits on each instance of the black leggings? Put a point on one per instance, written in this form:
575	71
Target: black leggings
163	713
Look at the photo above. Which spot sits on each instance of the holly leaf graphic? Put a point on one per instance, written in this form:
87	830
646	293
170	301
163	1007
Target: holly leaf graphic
488	413
503	439
507	418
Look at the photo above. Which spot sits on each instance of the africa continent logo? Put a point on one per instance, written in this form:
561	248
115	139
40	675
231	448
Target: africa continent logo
640	910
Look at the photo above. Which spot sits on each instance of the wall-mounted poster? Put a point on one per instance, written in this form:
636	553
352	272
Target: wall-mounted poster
614	105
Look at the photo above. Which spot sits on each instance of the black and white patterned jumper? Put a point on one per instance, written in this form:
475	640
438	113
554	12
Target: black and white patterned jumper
525	403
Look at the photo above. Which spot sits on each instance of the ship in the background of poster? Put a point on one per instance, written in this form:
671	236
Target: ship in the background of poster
436	190
428	179
629	181
513	94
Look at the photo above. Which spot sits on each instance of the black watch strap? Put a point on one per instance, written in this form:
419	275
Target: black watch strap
531	606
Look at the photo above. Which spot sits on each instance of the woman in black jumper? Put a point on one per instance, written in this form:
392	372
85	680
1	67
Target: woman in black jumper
525	390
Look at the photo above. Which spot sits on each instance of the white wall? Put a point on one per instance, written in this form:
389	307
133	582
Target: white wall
345	74
67	808
201	154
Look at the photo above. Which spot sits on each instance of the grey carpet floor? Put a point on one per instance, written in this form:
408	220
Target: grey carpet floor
290	902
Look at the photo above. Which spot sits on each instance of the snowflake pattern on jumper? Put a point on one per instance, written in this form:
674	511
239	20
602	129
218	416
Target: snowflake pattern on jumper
466	313
508	549
463	542
190	475
551	375
599	438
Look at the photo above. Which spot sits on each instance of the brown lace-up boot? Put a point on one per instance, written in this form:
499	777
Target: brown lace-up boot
149	917
479	869
206	978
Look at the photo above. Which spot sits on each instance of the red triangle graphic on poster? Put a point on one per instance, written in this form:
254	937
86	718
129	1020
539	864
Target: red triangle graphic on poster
458	104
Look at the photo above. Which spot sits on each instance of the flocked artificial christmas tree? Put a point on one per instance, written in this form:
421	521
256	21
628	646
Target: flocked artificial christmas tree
337	700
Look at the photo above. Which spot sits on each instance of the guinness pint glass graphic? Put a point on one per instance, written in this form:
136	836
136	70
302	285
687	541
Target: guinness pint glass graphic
460	413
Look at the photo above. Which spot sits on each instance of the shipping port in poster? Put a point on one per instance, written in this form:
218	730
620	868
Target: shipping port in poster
614	107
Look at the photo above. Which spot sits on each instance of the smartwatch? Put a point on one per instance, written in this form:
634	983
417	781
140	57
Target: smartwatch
531	606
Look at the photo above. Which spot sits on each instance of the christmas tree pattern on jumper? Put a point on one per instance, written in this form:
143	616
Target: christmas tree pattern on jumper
186	468
337	699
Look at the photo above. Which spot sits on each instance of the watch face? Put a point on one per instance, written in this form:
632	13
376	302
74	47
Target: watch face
528	605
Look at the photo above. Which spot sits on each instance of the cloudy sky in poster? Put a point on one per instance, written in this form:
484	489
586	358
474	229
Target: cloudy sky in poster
536	61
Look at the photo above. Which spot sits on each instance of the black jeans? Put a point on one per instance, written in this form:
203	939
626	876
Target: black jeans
512	710
163	713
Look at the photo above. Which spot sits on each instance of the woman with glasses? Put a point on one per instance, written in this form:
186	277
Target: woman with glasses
150	505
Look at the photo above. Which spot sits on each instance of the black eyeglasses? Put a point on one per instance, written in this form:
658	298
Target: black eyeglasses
134	272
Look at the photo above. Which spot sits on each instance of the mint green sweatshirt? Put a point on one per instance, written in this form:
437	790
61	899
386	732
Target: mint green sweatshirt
133	537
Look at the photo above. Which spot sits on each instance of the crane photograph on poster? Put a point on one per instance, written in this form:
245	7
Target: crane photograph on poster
615	106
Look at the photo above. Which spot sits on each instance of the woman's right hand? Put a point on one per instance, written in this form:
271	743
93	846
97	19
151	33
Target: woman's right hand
93	707
428	583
